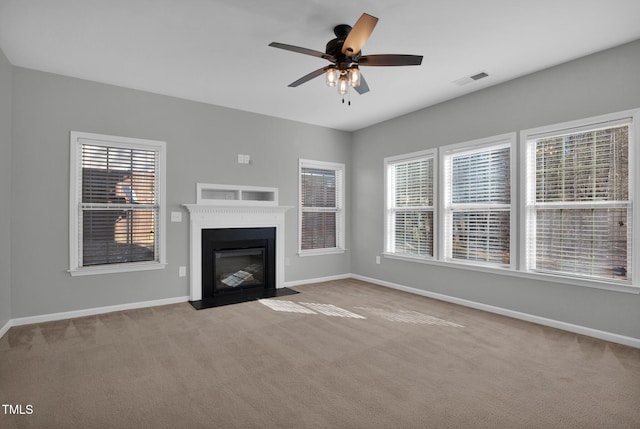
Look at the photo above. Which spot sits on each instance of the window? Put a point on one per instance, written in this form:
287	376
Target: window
116	204
321	216
477	201
409	213
578	209
571	219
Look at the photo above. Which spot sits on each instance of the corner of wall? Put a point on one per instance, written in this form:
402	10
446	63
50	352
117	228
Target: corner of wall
6	121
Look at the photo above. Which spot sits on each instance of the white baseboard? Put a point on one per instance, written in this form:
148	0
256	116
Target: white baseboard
5	328
318	280
93	311
577	329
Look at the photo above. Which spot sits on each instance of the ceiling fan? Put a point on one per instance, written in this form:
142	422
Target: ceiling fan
345	55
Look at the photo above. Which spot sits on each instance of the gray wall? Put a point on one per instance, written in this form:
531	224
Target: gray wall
5	189
602	83
202	146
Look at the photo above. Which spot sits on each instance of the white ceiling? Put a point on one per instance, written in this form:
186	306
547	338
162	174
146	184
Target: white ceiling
215	51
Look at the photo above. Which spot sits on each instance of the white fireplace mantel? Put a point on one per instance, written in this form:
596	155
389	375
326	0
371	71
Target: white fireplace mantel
234	214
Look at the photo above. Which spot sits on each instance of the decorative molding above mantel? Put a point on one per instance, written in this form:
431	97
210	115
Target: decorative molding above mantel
203	210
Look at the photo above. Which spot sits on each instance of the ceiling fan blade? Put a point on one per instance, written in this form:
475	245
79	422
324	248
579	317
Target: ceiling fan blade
308	77
363	87
390	60
359	34
305	51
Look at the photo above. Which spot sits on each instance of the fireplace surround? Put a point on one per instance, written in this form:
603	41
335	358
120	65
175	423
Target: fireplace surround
240	231
237	259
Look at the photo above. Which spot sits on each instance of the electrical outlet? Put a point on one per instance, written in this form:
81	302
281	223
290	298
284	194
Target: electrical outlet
176	216
182	271
378	259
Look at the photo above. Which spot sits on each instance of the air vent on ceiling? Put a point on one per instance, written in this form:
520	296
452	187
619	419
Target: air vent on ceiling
468	79
479	76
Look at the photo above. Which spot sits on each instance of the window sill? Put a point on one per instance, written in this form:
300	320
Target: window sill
596	284
117	268
318	252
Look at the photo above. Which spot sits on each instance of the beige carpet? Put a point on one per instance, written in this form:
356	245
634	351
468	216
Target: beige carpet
342	354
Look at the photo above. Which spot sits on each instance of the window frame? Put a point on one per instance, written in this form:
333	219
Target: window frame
632	117
339	209
447	208
76	140
389	209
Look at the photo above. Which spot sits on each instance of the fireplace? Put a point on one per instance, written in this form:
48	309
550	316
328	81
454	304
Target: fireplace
237	245
237	259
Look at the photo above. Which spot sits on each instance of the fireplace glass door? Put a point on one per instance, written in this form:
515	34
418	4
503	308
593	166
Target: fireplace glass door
238	268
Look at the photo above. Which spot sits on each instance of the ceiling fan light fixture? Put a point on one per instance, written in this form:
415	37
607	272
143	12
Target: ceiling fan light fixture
354	76
343	85
332	75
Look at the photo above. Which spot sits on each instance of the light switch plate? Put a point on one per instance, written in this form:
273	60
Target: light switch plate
176	216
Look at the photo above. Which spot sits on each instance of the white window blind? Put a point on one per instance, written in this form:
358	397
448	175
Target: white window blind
410	205
579	213
477	220
321	206
117	199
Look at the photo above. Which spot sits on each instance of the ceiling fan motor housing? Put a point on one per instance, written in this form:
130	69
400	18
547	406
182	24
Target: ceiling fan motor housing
334	46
